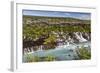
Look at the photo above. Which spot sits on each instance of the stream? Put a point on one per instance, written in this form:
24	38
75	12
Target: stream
63	52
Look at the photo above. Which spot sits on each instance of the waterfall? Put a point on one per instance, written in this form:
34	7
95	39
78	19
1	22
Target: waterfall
87	35
80	37
25	50
32	49
40	48
69	38
67	43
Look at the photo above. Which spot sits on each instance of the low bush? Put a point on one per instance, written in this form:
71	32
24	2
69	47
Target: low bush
83	53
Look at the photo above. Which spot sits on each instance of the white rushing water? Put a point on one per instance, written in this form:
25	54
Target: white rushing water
80	37
40	48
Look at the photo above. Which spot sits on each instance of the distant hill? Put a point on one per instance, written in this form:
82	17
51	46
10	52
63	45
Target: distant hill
53	20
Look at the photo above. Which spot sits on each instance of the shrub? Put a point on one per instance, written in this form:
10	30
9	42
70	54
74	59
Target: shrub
36	59
29	58
50	58
83	53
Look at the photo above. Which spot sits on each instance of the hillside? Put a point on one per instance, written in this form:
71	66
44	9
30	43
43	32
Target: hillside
50	31
52	20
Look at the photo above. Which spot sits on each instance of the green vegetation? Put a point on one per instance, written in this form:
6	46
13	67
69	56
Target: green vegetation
45	31
50	58
36	27
53	19
31	58
83	53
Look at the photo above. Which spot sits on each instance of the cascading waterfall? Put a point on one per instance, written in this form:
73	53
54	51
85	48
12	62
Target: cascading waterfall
80	37
40	48
32	49
83	39
67	43
87	35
